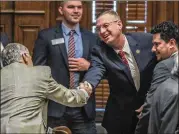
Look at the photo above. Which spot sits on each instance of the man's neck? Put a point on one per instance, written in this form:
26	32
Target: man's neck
120	42
71	26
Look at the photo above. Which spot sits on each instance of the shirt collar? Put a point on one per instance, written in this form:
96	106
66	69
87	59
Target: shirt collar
2	47
176	53
67	30
126	48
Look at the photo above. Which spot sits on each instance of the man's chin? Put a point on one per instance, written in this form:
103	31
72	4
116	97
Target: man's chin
159	59
107	41
75	21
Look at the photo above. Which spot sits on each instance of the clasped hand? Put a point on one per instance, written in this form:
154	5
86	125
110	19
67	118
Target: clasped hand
86	86
78	64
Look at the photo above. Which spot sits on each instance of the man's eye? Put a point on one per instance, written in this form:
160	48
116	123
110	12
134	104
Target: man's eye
70	6
79	7
156	44
105	25
97	29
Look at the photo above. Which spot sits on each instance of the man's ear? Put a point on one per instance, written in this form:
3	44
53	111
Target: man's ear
60	10
173	43
27	59
24	58
120	24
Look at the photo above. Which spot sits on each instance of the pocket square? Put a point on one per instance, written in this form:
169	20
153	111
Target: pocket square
57	41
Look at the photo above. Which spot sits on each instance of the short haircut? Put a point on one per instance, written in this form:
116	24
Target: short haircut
63	2
168	30
13	53
110	12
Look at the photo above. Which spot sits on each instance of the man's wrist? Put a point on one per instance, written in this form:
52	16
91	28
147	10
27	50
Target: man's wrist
88	85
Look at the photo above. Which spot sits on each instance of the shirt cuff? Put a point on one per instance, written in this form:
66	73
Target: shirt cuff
85	92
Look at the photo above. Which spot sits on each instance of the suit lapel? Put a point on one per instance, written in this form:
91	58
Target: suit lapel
136	50
59	34
118	61
85	42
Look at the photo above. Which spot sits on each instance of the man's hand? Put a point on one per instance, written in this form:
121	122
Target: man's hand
27	59
139	111
86	86
78	64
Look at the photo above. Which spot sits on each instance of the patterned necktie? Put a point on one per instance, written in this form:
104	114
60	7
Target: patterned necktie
71	54
123	57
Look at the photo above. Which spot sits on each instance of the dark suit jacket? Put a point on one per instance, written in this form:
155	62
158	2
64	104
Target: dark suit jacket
123	98
164	108
4	39
162	72
56	57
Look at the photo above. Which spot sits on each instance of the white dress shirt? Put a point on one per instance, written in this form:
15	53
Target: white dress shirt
132	64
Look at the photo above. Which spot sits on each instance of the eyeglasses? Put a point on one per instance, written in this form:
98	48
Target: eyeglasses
105	26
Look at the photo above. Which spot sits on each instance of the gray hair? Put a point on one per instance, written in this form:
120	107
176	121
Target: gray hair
13	53
175	70
110	12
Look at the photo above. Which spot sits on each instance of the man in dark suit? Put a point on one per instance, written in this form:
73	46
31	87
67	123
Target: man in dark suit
54	47
164	108
3	42
4	39
165	45
127	61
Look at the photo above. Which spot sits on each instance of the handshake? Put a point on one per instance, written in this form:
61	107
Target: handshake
86	86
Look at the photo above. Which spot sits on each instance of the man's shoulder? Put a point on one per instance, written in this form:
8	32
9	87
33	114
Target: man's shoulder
169	62
42	70
87	32
50	30
4	38
169	88
136	34
140	38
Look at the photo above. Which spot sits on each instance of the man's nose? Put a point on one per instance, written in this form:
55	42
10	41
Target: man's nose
102	29
76	9
153	48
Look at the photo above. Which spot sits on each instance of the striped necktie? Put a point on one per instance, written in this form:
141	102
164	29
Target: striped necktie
123	57
71	54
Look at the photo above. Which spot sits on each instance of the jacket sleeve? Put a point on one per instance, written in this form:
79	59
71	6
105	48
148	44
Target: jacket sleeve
169	116
164	112
64	96
40	51
161	73
97	68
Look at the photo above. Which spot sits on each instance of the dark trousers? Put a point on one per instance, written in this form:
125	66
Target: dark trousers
125	129
75	121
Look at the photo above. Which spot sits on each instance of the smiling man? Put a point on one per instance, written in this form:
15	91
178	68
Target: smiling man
66	49
128	62
165	45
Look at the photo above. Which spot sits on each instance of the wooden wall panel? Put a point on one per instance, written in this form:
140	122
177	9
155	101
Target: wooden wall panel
85	22
6	18
165	11
30	17
6	25
176	12
6	5
28	23
27	35
30	6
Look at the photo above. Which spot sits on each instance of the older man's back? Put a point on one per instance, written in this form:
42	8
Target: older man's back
24	93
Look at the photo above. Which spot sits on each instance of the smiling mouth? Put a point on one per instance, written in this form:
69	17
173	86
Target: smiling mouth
105	37
75	15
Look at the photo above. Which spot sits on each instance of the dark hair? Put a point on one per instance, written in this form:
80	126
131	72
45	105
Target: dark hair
168	30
